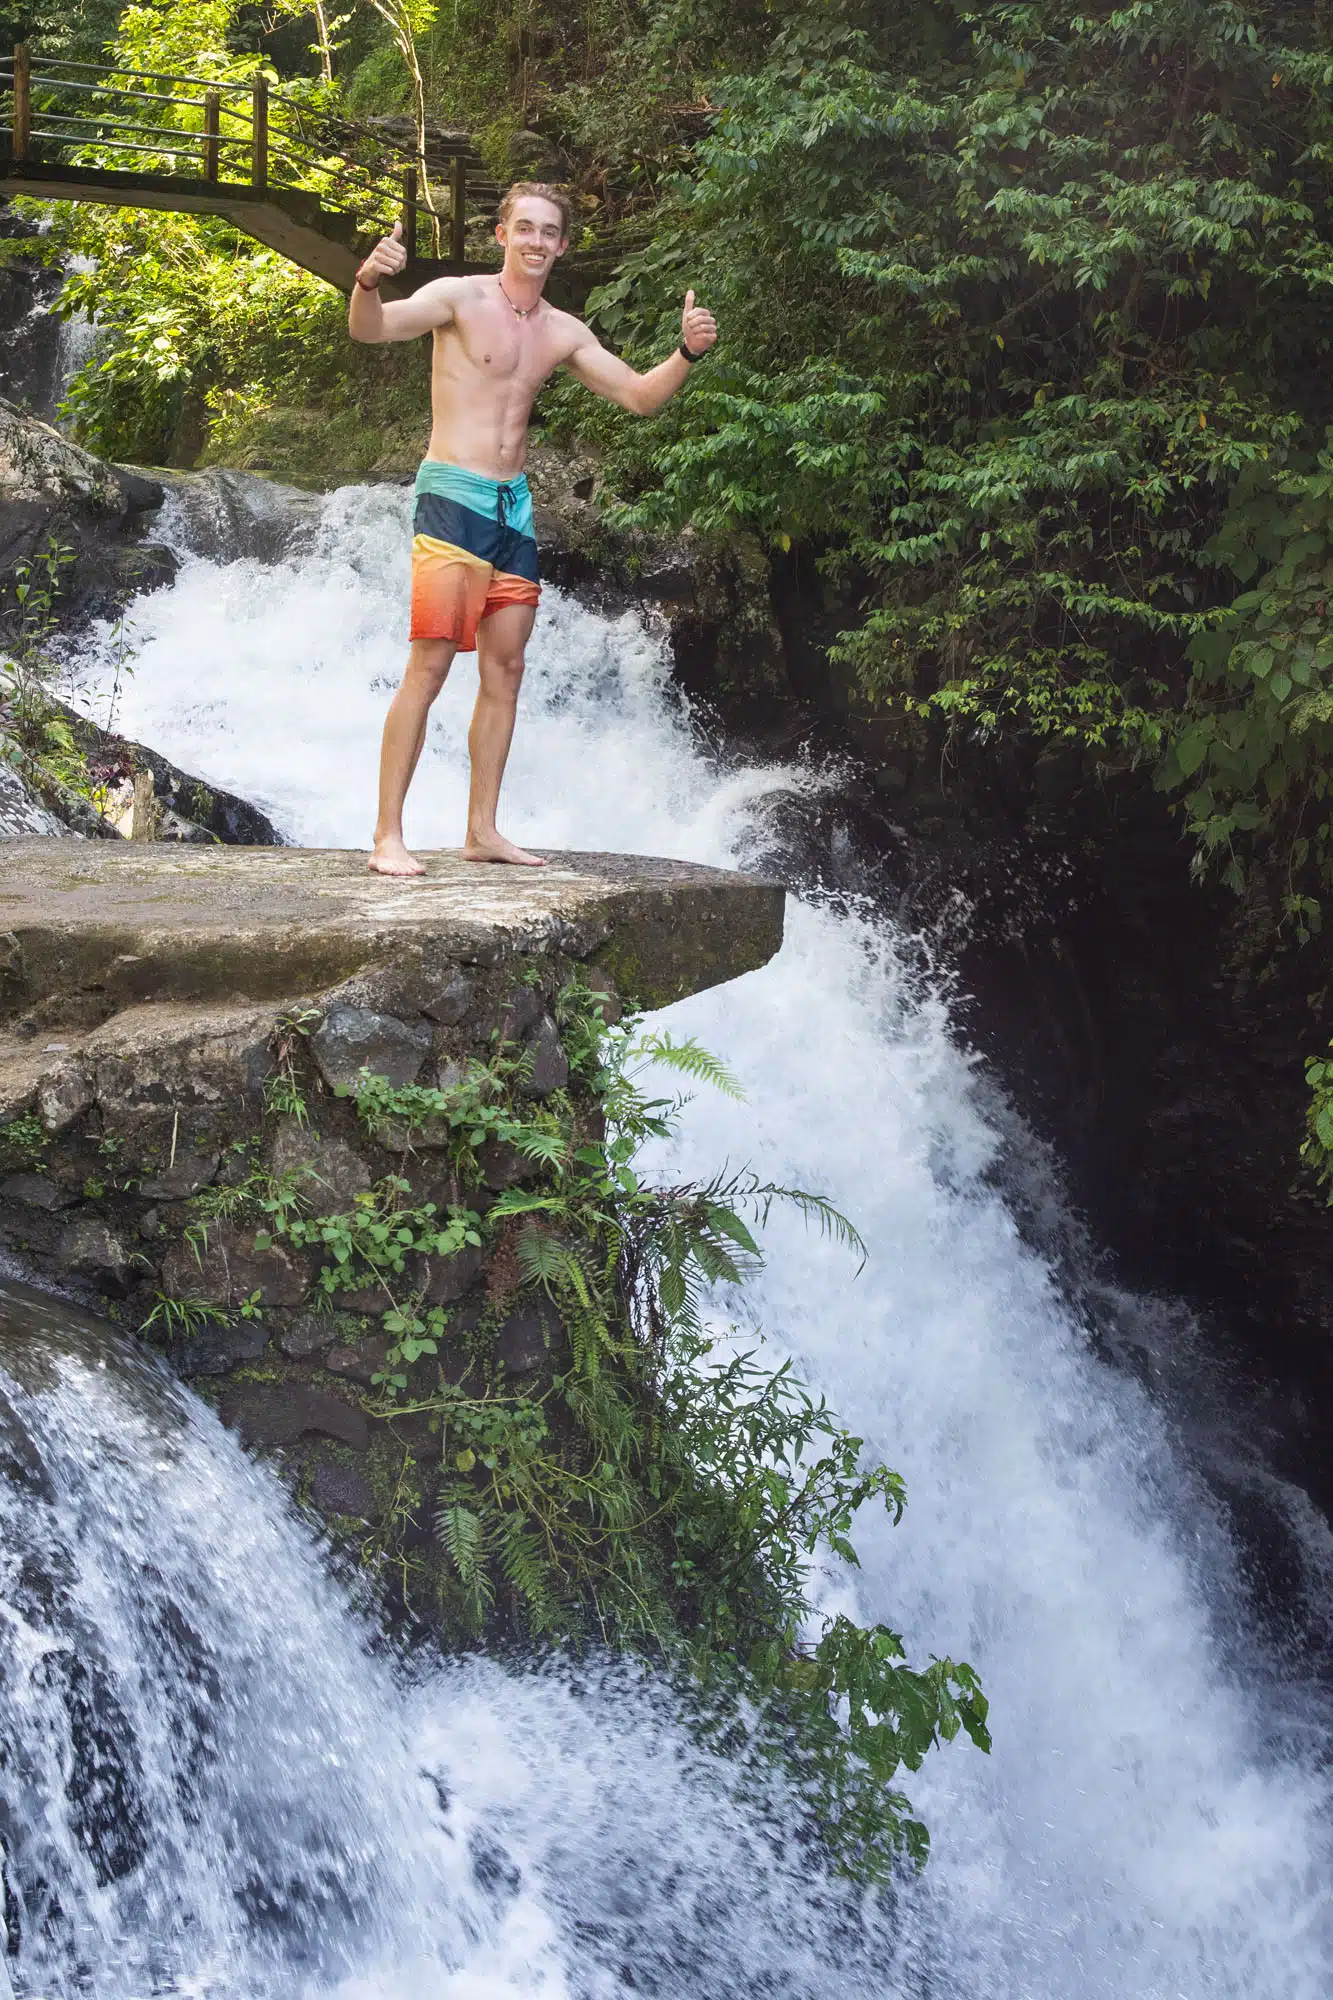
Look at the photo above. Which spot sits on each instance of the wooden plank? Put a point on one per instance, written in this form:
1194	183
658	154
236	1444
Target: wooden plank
458	212
212	134
408	214
22	121
259	134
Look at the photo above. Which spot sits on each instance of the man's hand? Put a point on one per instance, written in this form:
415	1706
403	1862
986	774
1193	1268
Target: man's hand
386	260
698	328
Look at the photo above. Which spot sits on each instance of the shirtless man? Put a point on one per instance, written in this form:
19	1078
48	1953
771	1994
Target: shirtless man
474	560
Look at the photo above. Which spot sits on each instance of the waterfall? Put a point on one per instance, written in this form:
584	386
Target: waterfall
1154	1821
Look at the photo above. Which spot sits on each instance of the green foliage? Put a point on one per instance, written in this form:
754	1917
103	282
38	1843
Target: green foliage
1254	754
23	1141
182	1318
1317	1151
35	736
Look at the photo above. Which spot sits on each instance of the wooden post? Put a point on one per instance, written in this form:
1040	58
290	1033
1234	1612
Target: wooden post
22	122
409	214
212	129
458	210
259	135
143	824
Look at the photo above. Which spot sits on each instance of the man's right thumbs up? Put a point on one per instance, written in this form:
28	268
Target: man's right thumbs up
386	260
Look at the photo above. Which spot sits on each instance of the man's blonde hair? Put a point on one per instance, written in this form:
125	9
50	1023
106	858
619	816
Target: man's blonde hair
556	196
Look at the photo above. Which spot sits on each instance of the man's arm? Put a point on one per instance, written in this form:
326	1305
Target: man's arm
370	319
607	375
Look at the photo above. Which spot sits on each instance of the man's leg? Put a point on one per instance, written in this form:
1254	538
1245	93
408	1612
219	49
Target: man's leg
501	639
428	664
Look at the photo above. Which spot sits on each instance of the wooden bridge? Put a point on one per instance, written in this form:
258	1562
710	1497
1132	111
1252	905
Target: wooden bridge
279	164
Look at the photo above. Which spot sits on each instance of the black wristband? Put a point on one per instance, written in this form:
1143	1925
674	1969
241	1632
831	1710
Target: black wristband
692	358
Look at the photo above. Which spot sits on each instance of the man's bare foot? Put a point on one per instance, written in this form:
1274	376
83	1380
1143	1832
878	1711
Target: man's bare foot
390	857
494	847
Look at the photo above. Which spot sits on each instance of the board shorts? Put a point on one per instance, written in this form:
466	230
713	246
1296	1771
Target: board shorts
473	551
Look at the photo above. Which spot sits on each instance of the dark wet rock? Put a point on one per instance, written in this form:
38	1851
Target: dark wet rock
278	1413
232	516
510	1018
188	808
353	1038
502	1165
30	332
449	1007
227	1270
179	1178
359	1361
336	1488
550	1064
63	1096
445	1279
528	1339
331	1172
307	1334
92	1250
36	1191
216	1350
49	487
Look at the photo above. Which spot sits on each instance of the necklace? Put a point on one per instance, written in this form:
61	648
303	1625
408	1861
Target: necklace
519	312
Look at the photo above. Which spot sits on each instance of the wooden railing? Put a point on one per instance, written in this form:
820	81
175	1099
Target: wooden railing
197	143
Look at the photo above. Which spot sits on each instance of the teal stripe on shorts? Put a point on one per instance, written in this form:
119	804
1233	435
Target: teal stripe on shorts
506	501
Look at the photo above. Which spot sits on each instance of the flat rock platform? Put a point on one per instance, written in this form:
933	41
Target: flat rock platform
86	931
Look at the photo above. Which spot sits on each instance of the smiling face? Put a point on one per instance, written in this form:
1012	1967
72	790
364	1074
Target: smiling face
533	237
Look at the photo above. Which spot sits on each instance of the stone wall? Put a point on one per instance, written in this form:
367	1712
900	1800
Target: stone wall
163	1048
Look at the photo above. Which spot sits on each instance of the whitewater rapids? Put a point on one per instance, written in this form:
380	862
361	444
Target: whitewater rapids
1154	1822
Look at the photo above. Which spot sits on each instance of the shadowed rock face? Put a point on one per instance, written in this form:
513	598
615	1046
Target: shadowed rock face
50	489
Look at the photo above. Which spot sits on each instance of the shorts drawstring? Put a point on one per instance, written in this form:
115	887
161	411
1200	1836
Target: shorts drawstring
505	497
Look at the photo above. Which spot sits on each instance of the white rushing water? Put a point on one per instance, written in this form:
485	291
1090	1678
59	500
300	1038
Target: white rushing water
1154	1822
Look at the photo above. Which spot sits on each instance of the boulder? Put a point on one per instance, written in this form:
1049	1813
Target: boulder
449	1007
228	1270
190	1171
336	1488
307	1334
36	1191
278	1413
360	1360
354	1038
64	1095
502	1165
91	1250
511	1017
335	1172
51	489
445	1279
550	1064
528	1339
216	1350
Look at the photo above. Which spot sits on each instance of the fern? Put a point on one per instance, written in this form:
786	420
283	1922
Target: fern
687	1058
527	1571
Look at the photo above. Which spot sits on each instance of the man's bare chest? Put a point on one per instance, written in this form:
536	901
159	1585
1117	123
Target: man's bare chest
506	352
